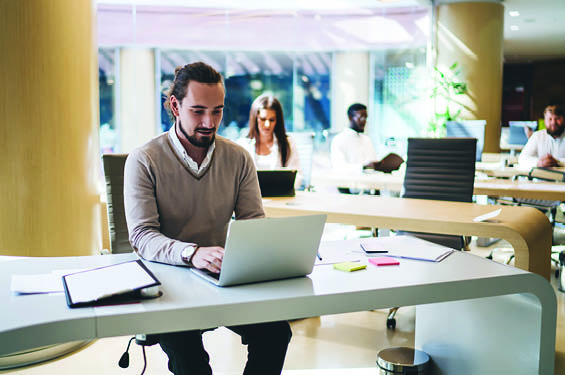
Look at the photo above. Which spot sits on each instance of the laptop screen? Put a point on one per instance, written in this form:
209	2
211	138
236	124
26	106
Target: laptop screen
277	183
517	134
468	129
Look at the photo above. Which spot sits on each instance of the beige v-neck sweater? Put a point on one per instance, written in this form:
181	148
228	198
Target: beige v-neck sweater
168	207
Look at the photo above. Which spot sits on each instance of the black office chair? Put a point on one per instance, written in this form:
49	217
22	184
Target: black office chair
119	238
439	169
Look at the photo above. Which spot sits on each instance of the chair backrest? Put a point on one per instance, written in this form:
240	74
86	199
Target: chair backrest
305	147
468	129
114	176
440	169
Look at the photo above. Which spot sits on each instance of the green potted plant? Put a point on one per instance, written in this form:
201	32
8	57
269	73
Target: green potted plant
448	86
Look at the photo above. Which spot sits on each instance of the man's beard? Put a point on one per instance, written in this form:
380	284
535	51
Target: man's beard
198	142
357	128
558	131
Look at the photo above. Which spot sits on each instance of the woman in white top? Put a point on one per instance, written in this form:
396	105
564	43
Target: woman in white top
267	140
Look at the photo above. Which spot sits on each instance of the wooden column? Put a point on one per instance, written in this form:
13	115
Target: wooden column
471	34
49	158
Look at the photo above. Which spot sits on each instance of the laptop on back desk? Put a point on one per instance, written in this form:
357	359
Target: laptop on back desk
277	182
268	249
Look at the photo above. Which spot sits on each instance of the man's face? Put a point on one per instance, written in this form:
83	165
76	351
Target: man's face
359	120
554	124
200	112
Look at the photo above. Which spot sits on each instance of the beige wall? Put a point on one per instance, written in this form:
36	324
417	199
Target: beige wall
137	97
49	162
471	33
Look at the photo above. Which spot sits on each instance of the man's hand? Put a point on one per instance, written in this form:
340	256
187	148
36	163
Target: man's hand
372	165
547	161
209	258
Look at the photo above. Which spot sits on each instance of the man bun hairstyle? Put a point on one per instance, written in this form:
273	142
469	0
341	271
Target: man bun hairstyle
197	72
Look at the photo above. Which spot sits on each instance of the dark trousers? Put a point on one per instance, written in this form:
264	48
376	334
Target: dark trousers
266	350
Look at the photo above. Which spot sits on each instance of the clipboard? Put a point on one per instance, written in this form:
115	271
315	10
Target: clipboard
114	284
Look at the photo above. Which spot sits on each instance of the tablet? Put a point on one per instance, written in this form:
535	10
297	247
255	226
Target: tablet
116	283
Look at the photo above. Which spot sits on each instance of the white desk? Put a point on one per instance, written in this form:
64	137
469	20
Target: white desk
478	316
492	187
525	228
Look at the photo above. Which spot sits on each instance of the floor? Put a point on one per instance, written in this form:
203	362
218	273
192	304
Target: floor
336	344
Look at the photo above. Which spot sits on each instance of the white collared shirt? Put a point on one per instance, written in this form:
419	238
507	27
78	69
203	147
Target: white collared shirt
190	163
351	150
541	144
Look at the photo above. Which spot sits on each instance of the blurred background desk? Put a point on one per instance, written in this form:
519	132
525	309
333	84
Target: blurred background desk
521	189
485	186
525	228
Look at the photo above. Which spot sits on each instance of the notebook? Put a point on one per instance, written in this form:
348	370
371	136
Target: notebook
389	163
268	249
277	183
116	283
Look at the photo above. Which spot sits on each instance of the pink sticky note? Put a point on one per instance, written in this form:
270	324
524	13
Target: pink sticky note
384	261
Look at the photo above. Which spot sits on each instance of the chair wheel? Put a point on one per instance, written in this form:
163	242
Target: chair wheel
391	323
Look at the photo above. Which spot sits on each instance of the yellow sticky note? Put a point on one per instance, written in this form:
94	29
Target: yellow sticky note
349	266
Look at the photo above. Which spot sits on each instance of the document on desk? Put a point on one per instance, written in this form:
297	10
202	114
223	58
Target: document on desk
109	284
40	283
410	247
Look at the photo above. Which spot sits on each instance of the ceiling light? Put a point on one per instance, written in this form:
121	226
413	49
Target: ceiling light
514	28
514	13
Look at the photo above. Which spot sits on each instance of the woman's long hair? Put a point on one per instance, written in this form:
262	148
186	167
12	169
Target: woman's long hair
272	103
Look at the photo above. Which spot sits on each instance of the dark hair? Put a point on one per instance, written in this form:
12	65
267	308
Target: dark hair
354	108
270	102
556	109
197	72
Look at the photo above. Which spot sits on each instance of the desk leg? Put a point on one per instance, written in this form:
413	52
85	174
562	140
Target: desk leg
493	335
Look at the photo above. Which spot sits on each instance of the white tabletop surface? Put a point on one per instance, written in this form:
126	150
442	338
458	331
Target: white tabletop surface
189	302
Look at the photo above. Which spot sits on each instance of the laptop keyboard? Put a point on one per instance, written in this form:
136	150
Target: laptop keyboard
212	274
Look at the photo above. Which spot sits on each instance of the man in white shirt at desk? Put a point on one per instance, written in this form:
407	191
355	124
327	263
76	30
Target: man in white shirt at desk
180	191
351	150
546	147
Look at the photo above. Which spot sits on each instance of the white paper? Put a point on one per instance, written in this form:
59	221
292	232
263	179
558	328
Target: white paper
410	247
487	216
40	283
32	284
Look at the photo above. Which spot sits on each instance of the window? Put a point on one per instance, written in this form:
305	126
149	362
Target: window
301	82
107	84
400	100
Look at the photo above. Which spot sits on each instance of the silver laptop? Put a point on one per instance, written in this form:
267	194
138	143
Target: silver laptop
268	249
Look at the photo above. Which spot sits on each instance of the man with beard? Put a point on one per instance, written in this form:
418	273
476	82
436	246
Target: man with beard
546	147
180	191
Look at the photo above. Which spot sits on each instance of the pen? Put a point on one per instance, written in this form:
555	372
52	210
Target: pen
318	255
371	251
